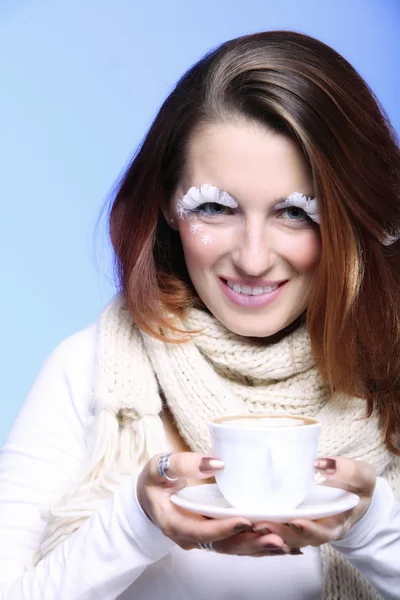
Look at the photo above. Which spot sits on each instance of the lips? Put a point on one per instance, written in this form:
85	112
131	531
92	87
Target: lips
250	296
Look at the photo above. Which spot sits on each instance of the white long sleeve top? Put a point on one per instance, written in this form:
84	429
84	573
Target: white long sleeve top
119	552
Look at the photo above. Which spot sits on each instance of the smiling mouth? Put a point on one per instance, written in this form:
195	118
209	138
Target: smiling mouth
247	290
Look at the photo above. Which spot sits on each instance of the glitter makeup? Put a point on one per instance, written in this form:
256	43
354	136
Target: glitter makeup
206	239
195	227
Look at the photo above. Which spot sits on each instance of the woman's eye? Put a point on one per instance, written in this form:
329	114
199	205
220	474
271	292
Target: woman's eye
294	213
212	209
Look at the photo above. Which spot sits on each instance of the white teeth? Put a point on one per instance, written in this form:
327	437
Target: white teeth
251	291
257	291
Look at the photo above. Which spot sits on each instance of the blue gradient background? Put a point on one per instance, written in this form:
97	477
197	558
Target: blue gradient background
80	83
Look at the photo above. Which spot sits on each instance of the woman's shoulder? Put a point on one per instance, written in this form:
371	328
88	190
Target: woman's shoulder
74	356
64	384
56	411
77	347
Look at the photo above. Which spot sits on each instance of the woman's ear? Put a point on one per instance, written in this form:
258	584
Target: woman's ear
170	217
168	209
173	223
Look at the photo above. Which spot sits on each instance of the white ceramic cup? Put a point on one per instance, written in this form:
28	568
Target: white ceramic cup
268	459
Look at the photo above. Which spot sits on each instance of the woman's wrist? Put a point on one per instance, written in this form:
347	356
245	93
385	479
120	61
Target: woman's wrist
364	528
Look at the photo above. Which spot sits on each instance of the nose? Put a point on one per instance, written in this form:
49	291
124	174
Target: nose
254	252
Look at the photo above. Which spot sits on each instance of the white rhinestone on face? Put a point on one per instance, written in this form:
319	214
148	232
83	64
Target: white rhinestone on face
206	239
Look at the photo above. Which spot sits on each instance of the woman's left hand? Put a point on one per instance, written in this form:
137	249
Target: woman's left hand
345	473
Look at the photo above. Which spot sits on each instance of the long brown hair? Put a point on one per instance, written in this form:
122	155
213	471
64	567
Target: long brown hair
299	86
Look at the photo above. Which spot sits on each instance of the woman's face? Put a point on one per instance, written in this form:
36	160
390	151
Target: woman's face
251	262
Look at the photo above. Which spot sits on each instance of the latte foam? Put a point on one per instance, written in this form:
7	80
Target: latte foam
264	422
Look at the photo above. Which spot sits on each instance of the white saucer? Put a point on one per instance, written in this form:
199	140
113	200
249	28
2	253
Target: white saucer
322	501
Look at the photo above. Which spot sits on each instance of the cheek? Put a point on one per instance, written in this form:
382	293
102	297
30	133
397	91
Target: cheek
200	244
304	255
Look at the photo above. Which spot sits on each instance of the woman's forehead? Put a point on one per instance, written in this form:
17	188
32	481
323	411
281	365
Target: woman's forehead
246	160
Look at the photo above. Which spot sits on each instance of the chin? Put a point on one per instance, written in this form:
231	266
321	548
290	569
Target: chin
254	329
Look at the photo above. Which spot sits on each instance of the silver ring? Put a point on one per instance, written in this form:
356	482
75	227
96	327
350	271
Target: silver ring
206	546
163	465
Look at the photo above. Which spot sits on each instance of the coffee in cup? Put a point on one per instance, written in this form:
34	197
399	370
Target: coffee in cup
268	459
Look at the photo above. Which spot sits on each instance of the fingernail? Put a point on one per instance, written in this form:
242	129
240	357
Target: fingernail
327	465
295	551
264	530
277	551
242	528
208	465
296	528
273	548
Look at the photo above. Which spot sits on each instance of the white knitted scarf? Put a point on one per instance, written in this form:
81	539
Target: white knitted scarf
216	373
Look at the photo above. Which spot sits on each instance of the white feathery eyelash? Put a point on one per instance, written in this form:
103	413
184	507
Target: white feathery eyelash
196	196
306	203
310	206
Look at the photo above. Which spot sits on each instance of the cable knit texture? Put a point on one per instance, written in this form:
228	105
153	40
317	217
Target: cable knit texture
214	374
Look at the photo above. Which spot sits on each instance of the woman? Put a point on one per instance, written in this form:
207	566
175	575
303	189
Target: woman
256	236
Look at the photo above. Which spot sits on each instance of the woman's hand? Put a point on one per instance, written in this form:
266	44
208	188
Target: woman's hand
345	473
234	535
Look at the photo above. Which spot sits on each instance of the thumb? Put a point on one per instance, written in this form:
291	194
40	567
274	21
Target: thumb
348	474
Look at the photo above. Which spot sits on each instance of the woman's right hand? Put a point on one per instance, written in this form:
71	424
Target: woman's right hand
233	535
